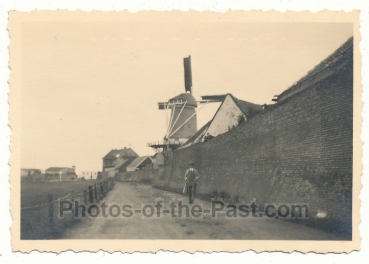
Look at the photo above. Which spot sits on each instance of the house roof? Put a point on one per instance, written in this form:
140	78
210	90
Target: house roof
126	152
58	168
137	162
342	54
249	109
124	163
197	134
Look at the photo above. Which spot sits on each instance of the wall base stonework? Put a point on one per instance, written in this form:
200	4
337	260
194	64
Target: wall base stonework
137	176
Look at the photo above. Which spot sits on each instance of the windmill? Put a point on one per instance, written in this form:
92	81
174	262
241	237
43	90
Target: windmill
182	122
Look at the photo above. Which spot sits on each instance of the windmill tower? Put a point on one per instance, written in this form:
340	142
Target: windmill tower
181	121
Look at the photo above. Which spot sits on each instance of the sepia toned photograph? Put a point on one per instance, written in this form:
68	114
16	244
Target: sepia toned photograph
185	128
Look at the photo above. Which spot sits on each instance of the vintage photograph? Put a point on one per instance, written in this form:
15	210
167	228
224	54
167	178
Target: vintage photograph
175	127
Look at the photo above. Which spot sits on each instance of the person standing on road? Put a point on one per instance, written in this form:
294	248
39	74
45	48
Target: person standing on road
191	177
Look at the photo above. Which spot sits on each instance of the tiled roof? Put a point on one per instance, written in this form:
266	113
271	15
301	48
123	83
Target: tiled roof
124	163
342	54
136	162
249	109
126	152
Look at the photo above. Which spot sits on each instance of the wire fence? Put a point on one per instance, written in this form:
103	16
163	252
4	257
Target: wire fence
41	222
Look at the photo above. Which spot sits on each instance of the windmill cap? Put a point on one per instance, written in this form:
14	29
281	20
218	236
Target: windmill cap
184	97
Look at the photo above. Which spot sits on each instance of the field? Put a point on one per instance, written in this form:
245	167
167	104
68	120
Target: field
35	222
36	192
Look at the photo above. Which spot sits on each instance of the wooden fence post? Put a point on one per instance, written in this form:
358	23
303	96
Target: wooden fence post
91	197
85	196
51	211
101	189
95	187
72	198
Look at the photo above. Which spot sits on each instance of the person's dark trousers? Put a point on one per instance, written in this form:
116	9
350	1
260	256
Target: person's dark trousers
190	194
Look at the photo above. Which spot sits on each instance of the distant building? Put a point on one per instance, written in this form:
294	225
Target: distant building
139	163
117	160
61	173
89	174
29	172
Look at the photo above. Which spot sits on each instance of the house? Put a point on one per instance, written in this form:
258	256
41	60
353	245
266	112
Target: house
60	170
88	175
139	163
61	173
231	113
32	175
117	160
29	172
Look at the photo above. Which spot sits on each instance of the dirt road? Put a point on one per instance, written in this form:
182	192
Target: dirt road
167	227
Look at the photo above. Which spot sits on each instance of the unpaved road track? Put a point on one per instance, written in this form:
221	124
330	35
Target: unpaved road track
167	227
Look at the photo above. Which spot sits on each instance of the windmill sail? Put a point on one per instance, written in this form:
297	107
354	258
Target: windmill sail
187	74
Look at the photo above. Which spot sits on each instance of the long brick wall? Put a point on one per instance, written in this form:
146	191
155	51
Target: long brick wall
298	151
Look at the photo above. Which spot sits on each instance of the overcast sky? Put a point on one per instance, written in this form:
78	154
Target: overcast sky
91	87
